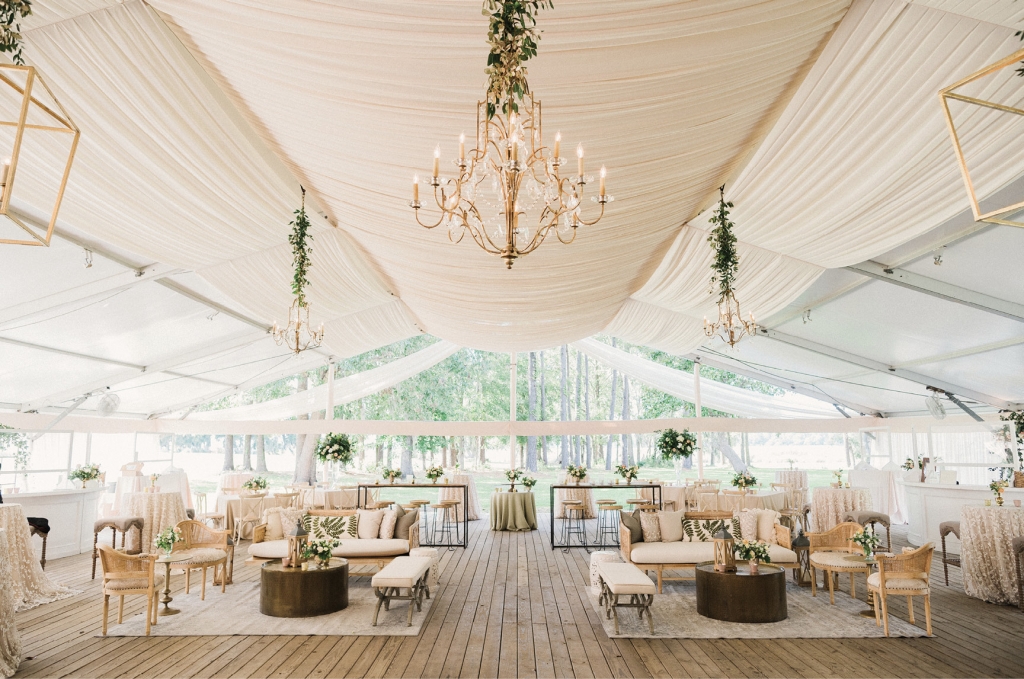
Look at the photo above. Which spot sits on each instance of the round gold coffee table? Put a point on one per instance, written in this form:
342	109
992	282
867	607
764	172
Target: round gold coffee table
297	593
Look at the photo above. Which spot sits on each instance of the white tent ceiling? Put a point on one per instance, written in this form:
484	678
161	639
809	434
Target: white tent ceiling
200	120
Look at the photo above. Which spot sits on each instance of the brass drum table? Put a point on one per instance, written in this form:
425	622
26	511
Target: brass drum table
741	596
297	593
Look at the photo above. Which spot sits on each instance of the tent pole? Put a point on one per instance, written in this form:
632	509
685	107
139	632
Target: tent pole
512	410
696	405
329	410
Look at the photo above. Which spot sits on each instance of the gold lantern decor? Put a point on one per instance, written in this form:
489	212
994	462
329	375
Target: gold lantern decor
37	143
725	558
297	537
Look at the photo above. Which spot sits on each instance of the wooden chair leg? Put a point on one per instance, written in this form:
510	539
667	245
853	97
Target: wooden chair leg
120	610
814	582
928	613
831	587
877	607
95	553
853	584
106	610
149	612
223	577
910	608
123	536
202	589
188	579
885	613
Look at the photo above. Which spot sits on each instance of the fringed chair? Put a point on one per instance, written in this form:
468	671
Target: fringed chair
828	552
903	575
206	548
125	574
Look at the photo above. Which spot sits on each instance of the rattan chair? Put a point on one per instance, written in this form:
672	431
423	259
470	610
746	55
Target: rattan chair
903	575
206	548
250	512
125	574
828	551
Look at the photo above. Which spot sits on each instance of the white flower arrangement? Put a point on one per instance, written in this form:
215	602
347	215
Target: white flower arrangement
434	473
320	550
576	472
334	448
256	483
674	445
752	550
89	472
867	540
513	475
166	538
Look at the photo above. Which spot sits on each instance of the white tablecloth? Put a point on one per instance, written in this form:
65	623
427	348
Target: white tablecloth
158	511
989	570
887	495
175	480
475	510
677	494
10	640
586	494
29	584
727	502
830	504
792	477
232	481
131	482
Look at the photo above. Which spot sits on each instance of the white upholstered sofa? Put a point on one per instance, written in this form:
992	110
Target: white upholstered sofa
691	545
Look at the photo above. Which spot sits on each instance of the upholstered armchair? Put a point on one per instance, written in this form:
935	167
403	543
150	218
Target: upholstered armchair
903	575
206	548
125	574
828	552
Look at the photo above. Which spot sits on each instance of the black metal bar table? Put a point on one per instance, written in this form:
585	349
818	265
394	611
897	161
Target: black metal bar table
363	495
655	499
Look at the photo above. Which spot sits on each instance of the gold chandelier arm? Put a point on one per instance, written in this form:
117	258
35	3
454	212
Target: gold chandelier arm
428	226
595	220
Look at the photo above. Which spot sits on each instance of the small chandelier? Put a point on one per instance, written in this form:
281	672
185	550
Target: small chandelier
510	179
730	326
299	334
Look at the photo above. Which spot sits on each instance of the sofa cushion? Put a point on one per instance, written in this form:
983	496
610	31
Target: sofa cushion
370	548
332	527
387	525
402	572
766	520
625	578
672	552
369	523
748	524
891	583
273	549
200	556
631	520
280	518
671	525
405	522
650	524
779	554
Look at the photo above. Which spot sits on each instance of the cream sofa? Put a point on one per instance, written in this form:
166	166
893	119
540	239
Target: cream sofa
684	554
365	551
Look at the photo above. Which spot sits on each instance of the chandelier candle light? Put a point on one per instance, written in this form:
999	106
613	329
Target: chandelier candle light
730	325
510	179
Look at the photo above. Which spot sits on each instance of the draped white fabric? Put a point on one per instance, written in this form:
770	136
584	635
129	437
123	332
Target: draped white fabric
716	395
346	389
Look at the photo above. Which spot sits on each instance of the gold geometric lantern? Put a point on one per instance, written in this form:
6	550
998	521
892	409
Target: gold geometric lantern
297	536
1011	215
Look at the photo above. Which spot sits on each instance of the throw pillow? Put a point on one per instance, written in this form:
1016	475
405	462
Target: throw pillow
766	519
671	525
650	524
631	521
748	524
703	530
330	527
275	529
369	523
387	525
405	522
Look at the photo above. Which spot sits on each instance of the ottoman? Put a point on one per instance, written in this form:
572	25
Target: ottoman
595	559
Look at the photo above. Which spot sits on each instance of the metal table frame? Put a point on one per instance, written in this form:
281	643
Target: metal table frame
363	495
655	499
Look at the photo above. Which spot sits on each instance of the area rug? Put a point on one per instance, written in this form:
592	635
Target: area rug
237	611
675	617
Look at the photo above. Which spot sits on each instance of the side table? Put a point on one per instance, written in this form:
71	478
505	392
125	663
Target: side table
168	560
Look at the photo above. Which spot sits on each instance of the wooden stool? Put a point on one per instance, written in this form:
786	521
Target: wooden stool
574	522
608	522
115	523
945	528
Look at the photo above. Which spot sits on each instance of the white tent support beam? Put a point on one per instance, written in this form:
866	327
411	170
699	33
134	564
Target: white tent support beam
877	366
698	410
226	345
512	381
936	288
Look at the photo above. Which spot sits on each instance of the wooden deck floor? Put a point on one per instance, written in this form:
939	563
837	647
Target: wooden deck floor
508	606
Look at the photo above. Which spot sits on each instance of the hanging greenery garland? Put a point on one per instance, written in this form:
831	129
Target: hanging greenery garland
513	36
301	250
723	241
11	13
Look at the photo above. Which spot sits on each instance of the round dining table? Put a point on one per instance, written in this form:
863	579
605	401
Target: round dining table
513	511
986	553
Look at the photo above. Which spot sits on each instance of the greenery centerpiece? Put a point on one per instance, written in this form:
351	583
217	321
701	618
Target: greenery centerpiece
391	474
434	473
753	552
166	538
513	475
839	478
627	472
320	550
576	472
867	540
674	445
744	480
335	448
997	488
529	482
256	484
83	475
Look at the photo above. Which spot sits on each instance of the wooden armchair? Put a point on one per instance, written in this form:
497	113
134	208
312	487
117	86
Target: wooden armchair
903	575
124	574
206	548
828	552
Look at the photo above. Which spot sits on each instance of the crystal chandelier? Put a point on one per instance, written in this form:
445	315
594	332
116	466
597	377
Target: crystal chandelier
730	326
299	334
509	193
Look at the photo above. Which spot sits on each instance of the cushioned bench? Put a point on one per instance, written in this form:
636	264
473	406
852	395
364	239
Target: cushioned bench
621	579
404	572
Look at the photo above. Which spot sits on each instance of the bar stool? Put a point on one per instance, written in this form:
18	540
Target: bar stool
650	508
115	523
442	514
605	502
574	523
453	519
608	523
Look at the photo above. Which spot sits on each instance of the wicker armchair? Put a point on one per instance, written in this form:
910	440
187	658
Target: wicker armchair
206	548
903	575
828	552
124	574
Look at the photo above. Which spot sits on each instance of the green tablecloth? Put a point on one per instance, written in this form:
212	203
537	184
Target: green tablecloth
513	511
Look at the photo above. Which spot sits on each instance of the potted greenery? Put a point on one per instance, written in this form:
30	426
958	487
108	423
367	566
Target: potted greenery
391	474
576	473
86	476
320	551
166	538
434	473
744	480
628	473
867	540
513	475
753	552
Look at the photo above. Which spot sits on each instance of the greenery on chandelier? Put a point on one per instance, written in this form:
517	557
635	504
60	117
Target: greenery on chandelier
723	242
11	13
301	250
513	36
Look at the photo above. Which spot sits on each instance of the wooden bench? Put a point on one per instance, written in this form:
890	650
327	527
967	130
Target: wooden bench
404	572
620	579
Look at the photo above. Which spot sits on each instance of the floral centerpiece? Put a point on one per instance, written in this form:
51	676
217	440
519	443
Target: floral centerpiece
513	475
334	448
628	473
744	480
166	538
529	482
84	475
674	445
152	482
867	540
576	473
434	473
256	484
997	488
391	474
320	550
908	464
753	552
839	478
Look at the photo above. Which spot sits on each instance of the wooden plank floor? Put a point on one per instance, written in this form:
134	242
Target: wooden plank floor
509	606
